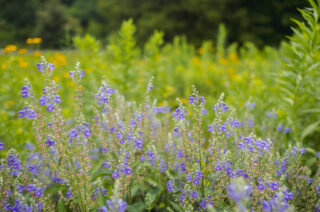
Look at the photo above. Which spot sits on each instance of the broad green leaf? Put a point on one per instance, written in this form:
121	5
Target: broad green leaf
139	206
309	129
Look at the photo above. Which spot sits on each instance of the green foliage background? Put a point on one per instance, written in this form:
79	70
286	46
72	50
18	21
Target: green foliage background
259	21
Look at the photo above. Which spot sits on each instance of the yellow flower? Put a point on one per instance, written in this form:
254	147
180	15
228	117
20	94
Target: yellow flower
10	48
37	53
3	66
71	84
59	59
196	60
184	100
56	78
169	91
22	51
223	61
66	74
89	71
23	64
29	41
8	104
201	51
233	57
37	40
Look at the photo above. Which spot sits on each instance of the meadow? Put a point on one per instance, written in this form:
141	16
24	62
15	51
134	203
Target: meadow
163	126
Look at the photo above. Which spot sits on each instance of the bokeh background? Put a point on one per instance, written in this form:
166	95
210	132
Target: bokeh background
263	22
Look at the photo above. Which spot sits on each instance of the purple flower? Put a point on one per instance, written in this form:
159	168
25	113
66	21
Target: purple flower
274	186
103	209
196	181
194	194
105	165
115	174
202	100
57	99
286	130
87	132
236	124
223	128
25	91
318	189
77	75
1	146
203	203
279	128
188	178
169	186
150	87
128	171
42	68
266	206
30	114
42	100
191	99
116	205
73	133
38	192
142	158
68	194
31	188
221	107
218	168
50	107
49	142
261	186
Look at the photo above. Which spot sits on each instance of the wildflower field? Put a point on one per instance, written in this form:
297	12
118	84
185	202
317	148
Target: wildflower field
162	126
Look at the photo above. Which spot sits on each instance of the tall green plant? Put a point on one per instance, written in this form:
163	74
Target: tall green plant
299	79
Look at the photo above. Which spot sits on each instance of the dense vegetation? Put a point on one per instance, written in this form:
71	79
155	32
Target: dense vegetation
162	126
56	21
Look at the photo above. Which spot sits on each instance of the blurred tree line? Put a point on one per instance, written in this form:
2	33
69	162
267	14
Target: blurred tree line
263	22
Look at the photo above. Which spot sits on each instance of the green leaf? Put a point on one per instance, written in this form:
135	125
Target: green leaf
61	207
309	129
139	206
316	110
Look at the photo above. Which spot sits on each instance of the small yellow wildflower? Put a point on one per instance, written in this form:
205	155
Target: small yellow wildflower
8	104
184	100
196	60
59	59
3	66
22	51
71	84
37	53
29	41
223	61
66	74
56	78
201	50
89	71
37	40
10	48
23	64
233	57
